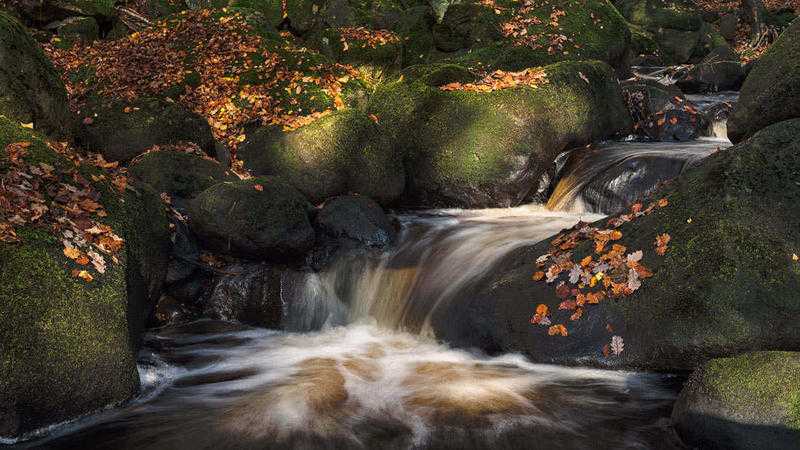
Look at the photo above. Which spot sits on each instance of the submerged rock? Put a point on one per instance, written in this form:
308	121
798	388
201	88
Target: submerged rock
30	89
123	131
357	219
742	402
69	345
248	293
727	282
771	92
262	218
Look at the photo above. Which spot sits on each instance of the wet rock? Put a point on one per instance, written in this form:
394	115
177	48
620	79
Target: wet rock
262	218
720	288
248	293
742	403
715	73
122	131
771	92
170	311
30	89
177	173
355	219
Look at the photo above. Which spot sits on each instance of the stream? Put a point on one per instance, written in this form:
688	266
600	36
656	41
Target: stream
358	364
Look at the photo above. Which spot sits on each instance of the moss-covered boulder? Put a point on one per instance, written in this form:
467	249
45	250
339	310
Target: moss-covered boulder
30	89
746	402
727	283
122	131
771	92
68	345
178	173
676	27
262	218
468	148
76	28
513	35
344	152
46	11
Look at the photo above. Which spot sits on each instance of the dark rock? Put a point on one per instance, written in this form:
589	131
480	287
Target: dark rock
727	26
176	173
725	285
715	73
746	402
76	28
771	92
248	293
262	218
30	89
356	219
171	311
121	136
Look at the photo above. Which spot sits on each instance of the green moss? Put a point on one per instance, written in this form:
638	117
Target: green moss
757	381
655	14
178	173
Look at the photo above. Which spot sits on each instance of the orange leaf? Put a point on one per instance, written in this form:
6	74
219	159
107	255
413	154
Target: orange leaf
538	276
663	202
586	261
72	253
542	310
557	330
616	235
258	187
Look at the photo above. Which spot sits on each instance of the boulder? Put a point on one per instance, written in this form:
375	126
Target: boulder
677	27
472	149
46	11
74	29
69	345
262	218
727	26
719	71
248	293
727	282
30	89
742	403
344	152
177	173
355	219
771	92
120	131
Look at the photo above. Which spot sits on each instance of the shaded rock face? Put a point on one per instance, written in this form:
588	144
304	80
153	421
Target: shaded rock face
121	136
771	92
177	173
263	218
357	219
732	260
748	402
84	358
248	293
30	89
719	71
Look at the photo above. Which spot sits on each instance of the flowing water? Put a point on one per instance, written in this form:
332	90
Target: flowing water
359	366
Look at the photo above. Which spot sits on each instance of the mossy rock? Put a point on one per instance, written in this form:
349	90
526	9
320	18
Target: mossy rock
727	284
742	402
359	52
594	29
262	219
30	89
121	135
771	92
476	149
96	8
77	29
176	173
657	14
341	153
69	347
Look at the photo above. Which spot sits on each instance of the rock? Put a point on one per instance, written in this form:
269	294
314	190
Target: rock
727	26
69	347
30	89
742	402
121	136
46	11
356	219
725	284
76	28
715	73
473	149
474	34
177	173
342	153
262	218
676	25
771	92
248	293
171	311
677	46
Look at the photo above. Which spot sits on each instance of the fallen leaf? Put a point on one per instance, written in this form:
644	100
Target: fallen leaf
617	345
72	253
538	276
559	329
258	187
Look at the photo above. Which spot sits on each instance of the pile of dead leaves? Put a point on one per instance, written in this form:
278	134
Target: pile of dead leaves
61	201
525	29
500	79
611	272
225	71
365	37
